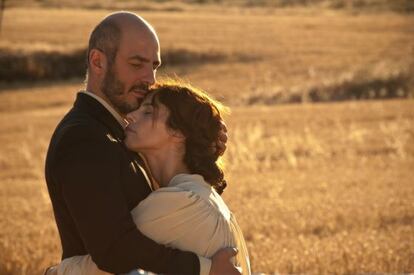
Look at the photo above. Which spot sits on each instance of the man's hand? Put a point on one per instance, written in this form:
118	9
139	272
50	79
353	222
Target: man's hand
221	262
51	271
222	139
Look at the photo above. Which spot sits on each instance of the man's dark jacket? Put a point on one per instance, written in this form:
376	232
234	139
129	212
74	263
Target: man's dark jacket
94	181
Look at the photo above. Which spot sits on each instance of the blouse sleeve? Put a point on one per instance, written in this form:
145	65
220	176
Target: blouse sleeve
168	208
79	265
181	219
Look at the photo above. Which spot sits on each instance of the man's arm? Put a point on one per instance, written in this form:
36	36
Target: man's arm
88	170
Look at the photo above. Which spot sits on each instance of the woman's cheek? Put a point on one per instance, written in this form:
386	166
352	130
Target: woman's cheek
127	141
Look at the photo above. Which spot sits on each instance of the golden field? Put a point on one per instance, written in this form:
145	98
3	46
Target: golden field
316	188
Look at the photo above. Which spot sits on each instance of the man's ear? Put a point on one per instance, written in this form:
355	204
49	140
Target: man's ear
97	61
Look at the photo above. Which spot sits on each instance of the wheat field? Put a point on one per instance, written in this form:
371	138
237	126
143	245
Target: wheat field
323	188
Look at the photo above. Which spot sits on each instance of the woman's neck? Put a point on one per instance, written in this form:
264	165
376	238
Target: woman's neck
164	164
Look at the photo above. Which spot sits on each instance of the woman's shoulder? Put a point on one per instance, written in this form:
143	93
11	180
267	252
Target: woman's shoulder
185	193
165	201
196	184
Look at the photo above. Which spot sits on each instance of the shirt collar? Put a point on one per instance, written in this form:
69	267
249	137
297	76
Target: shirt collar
110	109
187	178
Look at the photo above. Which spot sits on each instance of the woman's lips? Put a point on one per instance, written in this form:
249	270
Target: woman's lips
128	129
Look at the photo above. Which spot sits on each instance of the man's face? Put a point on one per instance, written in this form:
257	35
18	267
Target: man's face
126	81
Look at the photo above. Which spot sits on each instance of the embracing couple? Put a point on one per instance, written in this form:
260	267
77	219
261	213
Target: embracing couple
132	169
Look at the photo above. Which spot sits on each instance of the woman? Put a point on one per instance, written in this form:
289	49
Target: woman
175	129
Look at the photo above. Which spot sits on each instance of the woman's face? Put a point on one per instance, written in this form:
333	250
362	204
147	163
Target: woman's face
147	129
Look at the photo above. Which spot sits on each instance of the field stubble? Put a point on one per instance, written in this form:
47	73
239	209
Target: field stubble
325	188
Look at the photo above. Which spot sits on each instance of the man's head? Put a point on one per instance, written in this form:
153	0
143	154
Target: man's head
123	56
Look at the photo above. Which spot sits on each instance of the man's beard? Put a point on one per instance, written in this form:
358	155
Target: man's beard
114	90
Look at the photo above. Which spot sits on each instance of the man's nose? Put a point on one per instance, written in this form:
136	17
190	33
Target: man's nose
149	77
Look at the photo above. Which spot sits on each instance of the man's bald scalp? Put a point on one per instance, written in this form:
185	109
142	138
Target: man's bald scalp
106	36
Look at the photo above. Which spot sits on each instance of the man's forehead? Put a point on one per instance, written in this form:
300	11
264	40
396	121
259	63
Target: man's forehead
139	37
141	49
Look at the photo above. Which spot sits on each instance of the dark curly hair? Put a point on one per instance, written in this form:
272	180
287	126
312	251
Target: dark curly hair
198	117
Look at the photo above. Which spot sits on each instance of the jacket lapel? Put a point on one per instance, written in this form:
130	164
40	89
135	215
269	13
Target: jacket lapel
91	106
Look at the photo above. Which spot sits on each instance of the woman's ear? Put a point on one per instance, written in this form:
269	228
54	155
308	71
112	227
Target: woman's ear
177	135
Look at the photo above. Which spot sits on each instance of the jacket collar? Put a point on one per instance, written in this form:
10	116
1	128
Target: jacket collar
116	115
94	108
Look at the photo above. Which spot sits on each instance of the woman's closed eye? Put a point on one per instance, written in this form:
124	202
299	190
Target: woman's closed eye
147	110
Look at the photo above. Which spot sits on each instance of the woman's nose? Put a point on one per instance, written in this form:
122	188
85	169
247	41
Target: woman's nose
130	117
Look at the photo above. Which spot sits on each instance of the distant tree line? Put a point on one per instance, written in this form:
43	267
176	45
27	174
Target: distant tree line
2	8
395	5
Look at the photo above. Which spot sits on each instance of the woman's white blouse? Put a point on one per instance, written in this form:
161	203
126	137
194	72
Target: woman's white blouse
189	215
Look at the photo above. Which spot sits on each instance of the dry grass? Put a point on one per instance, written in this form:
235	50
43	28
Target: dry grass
317	188
325	188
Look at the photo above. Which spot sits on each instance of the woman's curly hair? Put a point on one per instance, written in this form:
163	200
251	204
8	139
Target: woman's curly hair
198	117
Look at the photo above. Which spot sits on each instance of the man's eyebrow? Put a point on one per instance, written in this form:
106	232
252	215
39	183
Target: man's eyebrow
143	59
147	104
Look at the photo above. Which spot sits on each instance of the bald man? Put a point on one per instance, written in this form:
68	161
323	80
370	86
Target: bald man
93	179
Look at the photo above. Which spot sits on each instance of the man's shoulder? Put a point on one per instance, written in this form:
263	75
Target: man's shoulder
78	123
78	129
